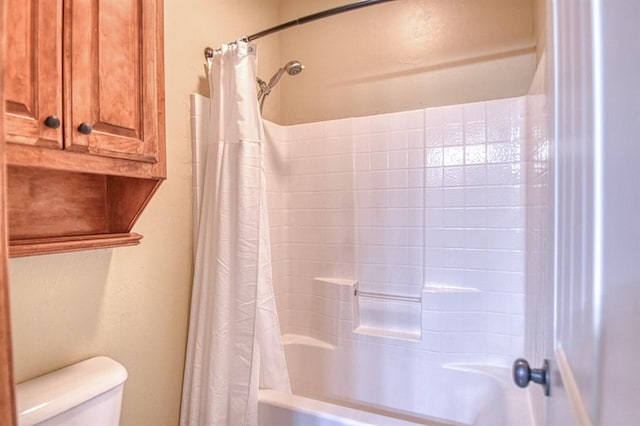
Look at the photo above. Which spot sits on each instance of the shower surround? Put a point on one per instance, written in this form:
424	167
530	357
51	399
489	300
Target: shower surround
426	207
398	249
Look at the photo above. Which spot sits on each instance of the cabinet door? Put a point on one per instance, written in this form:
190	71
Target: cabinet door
33	75
111	75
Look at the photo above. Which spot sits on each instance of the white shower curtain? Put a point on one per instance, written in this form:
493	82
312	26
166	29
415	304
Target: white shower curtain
234	343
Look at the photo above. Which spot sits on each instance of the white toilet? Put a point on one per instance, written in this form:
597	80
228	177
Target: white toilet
86	393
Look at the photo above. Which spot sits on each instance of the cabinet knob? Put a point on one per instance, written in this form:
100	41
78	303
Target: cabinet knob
85	128
52	122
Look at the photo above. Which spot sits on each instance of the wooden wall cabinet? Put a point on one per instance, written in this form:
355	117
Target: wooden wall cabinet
7	391
84	121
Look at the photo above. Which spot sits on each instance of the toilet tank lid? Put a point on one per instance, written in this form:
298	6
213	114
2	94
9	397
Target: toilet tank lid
56	392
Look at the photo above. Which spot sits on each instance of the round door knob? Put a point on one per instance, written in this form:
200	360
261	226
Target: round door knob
523	374
85	128
52	122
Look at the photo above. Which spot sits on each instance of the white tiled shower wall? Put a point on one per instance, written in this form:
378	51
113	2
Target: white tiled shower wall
427	204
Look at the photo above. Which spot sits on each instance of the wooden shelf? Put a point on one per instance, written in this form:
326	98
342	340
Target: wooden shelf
31	247
53	211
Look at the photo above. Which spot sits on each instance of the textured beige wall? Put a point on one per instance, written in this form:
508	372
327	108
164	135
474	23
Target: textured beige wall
132	303
540	27
405	55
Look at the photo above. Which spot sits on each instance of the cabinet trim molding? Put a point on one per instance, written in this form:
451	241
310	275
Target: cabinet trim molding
33	247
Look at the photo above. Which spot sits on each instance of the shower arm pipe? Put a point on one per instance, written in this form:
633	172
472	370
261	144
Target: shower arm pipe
208	52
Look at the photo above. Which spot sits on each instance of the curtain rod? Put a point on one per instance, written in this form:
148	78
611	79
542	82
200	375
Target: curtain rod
208	52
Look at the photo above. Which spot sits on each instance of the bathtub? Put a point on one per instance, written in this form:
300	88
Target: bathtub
279	409
337	385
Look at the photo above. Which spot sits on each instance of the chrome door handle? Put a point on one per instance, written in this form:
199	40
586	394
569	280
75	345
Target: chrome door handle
523	374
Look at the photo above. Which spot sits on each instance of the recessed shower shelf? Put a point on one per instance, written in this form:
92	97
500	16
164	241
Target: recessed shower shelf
392	334
445	288
394	316
337	281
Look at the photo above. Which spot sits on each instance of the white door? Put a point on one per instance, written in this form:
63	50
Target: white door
594	345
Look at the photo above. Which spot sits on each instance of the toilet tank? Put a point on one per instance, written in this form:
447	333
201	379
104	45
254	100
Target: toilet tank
86	393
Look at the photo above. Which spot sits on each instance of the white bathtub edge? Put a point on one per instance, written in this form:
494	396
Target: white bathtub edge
337	413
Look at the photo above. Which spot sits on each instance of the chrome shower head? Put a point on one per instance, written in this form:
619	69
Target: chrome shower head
291	68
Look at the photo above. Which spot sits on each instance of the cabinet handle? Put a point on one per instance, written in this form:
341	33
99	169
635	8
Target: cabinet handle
85	128
52	122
